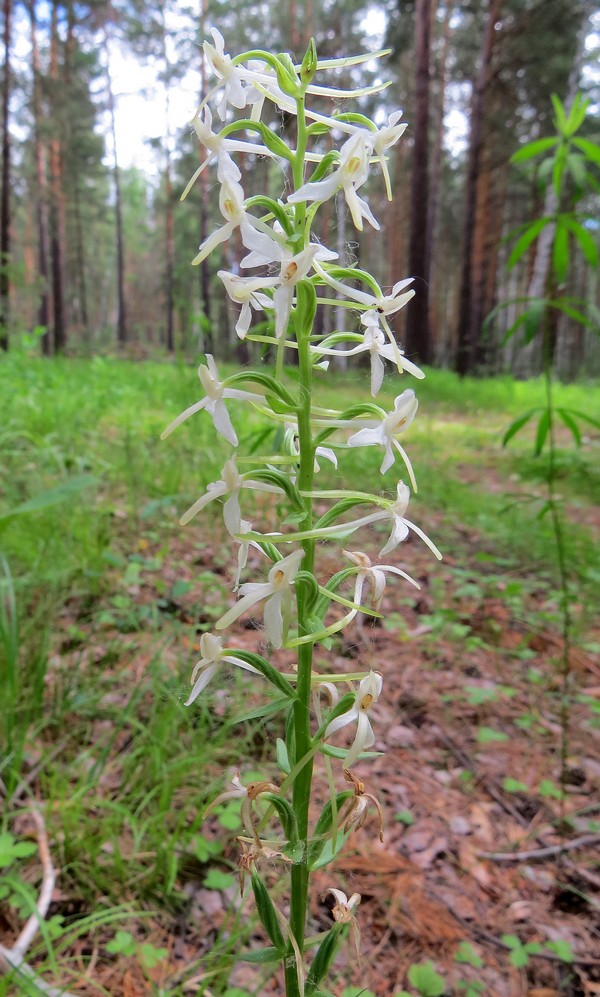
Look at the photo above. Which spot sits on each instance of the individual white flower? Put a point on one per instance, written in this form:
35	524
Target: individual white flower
278	593
214	403
374	343
230	484
377	309
373	577
246	292
383	432
393	511
220	147
294	266
368	693
343	913
382	140
351	174
213	657
248	795
233	209
231	77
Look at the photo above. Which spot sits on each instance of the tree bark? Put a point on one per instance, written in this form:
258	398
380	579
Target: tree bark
40	154
418	341
5	196
57	206
468	327
120	242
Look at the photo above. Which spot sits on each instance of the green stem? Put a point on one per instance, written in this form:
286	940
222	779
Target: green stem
302	734
559	539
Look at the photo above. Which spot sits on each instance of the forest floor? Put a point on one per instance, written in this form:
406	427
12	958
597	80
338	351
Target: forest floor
488	877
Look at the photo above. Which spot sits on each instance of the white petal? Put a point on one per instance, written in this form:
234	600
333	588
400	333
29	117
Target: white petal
377	372
214	240
258	592
273	617
232	516
219	488
223	424
196	407
342	721
202	682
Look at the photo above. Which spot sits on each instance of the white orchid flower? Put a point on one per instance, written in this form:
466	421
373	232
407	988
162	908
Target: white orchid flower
246	292
368	693
383	432
231	77
378	309
374	343
373	577
214	402
230	484
248	795
382	140
278	593
233	209
393	511
294	266
213	657
351	174
343	913
220	147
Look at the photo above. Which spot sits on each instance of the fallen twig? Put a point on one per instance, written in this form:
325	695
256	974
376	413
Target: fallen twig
13	959
541	853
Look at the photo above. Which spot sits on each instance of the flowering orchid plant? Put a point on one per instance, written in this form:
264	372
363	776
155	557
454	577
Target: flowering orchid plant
295	600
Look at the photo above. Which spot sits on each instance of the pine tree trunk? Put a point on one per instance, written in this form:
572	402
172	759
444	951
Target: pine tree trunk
418	340
204	274
120	242
41	190
5	195
468	328
57	206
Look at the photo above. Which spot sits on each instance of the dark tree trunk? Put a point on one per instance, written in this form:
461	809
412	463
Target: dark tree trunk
120	243
57	204
204	275
468	319
5	196
41	190
417	340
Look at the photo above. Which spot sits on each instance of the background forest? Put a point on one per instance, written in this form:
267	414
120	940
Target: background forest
97	253
113	883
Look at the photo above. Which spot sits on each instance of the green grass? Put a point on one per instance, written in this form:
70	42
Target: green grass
96	674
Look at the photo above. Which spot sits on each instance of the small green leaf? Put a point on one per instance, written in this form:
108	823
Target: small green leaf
549	789
511	785
466	954
269	954
324	957
218	880
563	950
282	756
533	149
10	850
525	240
122	944
486	735
150	956
542	432
571	425
518	424
560	251
589	149
424	978
404	817
586	243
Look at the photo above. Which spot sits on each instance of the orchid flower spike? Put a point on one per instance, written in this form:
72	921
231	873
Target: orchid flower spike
373	577
214	403
368	693
230	484
278	593
213	656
